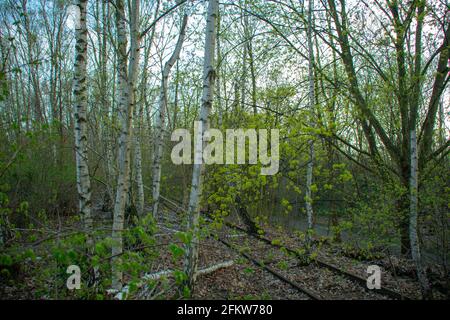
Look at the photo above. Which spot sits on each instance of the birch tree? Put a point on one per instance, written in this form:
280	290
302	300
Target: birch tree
80	116
160	120
126	89
138	171
312	103
191	252
248	33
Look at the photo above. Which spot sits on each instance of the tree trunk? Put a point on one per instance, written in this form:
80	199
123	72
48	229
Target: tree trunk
191	258
80	116
249	47
243	213
160	122
143	104
414	240
219	75
138	173
126	87
312	103
403	207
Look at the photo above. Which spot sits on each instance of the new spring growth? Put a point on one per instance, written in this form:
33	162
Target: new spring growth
209	148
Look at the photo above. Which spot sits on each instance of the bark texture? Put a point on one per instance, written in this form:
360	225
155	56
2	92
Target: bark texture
191	259
80	117
126	88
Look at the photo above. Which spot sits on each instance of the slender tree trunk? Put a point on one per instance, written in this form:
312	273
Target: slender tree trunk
414	239
176	97
312	103
80	116
219	75
126	88
138	162
243	80
160	122
403	209
191	258
249	47
138	173
143	104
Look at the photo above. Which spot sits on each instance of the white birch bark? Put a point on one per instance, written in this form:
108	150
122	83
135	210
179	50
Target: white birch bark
126	89
312	103
80	116
165	273
139	179
249	45
110	170
160	120
219	75
244	71
413	237
191	258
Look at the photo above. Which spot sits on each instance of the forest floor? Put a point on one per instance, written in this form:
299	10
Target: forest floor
279	274
247	280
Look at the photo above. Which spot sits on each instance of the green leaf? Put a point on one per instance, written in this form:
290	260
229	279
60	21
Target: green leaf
6	260
176	250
